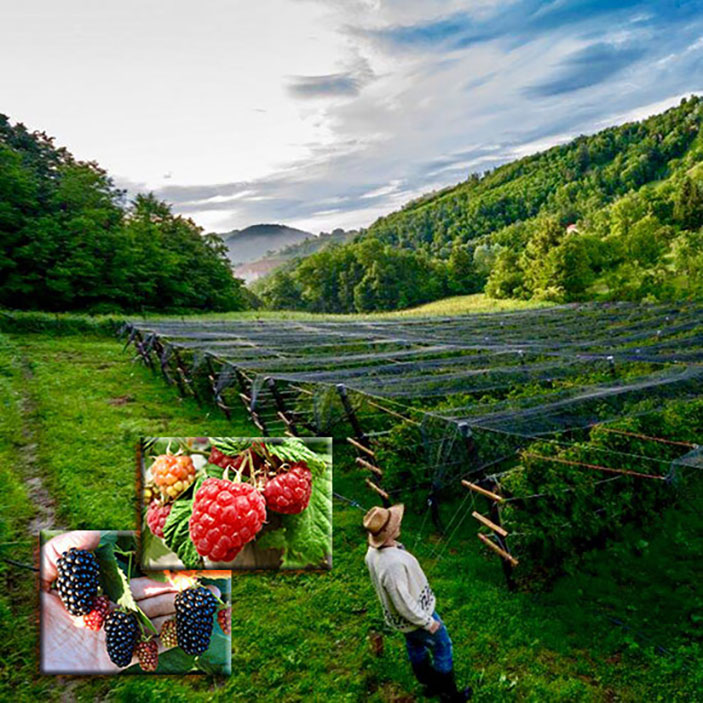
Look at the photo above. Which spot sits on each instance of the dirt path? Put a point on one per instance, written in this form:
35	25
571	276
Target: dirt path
45	517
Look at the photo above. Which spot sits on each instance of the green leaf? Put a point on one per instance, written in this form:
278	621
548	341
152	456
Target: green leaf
177	534
113	579
293	449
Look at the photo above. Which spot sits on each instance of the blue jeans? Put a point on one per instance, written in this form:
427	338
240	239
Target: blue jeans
420	643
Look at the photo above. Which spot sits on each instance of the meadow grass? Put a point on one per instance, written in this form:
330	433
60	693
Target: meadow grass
598	635
71	323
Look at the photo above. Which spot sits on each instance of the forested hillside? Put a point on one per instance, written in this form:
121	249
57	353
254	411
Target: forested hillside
617	215
68	239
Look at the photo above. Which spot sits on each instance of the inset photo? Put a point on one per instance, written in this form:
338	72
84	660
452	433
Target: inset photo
236	503
100	614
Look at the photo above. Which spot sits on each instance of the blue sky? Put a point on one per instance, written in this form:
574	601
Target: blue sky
331	113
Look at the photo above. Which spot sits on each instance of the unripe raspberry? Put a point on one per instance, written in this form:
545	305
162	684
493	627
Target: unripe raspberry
173	473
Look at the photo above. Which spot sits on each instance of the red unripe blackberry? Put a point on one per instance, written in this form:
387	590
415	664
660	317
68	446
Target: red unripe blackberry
122	634
95	618
156	516
147	654
77	582
226	515
168	634
195	608
224	617
289	492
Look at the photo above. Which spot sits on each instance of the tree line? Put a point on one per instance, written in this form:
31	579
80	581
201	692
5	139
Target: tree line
71	241
616	215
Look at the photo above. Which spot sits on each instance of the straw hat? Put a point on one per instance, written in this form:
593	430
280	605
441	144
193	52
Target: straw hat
380	523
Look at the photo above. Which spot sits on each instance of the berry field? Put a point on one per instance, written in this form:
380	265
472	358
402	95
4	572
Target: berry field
617	623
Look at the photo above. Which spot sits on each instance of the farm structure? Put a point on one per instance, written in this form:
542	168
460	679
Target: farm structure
548	428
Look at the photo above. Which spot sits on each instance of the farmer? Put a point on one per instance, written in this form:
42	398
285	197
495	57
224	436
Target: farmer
409	604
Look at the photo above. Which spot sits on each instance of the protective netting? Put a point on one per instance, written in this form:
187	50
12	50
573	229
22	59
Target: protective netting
483	398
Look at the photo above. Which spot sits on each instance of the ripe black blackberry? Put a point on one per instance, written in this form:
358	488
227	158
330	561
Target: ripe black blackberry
122	633
195	608
77	582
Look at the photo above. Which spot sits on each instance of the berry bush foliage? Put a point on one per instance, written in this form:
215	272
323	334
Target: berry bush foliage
273	495
94	587
564	495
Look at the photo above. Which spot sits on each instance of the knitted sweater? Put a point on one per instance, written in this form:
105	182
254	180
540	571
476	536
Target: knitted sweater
402	588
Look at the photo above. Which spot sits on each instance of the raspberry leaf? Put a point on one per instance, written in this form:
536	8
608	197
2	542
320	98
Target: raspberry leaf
293	449
176	530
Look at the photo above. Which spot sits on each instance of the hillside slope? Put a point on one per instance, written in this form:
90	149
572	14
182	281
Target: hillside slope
613	215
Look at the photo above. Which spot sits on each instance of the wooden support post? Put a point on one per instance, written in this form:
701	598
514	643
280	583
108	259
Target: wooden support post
488	494
361	447
281	407
508	558
490	525
386	498
369	466
184	374
361	443
141	350
507	564
351	415
212	377
246	398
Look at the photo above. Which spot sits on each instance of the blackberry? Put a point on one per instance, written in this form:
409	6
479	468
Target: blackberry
194	610
77	582
122	634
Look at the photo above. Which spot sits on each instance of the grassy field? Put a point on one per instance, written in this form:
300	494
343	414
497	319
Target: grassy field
620	627
458	305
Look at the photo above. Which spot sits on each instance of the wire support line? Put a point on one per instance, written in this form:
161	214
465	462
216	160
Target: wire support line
625	472
688	445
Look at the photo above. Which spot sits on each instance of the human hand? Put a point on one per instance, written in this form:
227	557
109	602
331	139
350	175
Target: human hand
434	626
67	645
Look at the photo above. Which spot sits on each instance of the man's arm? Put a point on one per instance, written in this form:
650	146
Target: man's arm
396	585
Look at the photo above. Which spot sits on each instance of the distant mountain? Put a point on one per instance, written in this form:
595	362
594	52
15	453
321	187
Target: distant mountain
256	241
251	271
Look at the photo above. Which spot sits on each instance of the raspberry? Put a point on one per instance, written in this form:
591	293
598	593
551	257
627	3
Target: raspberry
147	654
168	634
122	633
224	617
94	619
223	460
194	610
225	517
289	492
77	582
173	473
156	517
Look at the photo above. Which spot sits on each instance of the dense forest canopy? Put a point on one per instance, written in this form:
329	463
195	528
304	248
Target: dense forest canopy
617	215
69	240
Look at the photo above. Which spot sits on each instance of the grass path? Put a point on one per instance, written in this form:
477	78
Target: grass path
304	637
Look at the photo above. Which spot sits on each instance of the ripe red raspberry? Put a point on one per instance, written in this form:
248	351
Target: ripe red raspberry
223	460
156	517
148	655
226	515
173	473
168	635
289	492
94	619
224	617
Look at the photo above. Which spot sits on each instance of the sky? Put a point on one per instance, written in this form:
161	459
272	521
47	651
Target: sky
330	113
